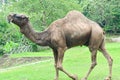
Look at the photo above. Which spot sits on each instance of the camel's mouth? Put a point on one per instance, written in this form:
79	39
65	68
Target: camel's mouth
9	18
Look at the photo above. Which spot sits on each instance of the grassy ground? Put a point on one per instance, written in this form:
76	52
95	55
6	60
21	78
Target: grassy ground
76	61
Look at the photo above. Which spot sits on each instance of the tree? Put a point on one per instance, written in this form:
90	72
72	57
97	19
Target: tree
105	12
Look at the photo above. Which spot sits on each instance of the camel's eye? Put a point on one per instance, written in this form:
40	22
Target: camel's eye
14	15
18	17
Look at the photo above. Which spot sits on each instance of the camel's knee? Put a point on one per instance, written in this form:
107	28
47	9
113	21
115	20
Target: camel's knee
93	65
107	56
59	67
55	65
110	60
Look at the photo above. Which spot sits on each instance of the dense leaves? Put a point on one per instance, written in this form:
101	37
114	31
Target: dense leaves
106	13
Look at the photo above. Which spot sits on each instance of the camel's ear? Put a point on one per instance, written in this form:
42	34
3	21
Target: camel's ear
26	18
14	15
23	16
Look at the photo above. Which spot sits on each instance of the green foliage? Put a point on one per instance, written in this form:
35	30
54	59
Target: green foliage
105	12
9	46
7	33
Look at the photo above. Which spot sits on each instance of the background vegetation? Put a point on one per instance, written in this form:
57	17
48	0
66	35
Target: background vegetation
43	12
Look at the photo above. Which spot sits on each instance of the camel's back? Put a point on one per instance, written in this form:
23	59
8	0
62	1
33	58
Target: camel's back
74	20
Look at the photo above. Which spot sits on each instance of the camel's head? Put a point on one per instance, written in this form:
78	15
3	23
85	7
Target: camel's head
18	19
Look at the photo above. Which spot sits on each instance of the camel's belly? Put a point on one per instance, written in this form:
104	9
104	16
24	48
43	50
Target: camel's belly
76	40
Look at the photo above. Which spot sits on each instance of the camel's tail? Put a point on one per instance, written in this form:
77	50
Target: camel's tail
104	32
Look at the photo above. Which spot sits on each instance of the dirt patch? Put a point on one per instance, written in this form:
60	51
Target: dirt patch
6	61
113	39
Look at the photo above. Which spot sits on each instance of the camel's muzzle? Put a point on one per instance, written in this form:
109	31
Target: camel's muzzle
9	18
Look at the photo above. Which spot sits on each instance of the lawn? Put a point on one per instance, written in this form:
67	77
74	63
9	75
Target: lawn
76	61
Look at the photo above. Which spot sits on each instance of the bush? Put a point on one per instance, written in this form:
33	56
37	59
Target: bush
9	46
105	12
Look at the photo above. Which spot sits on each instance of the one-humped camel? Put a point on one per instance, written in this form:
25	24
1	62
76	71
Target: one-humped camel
72	30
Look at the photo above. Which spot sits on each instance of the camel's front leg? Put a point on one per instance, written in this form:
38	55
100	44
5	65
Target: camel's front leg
59	63
93	59
55	53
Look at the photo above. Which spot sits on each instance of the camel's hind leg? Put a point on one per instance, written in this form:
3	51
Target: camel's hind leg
108	57
93	59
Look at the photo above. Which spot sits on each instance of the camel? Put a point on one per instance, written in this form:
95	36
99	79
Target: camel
72	30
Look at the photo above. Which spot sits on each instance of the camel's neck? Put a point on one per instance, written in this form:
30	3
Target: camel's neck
39	38
28	32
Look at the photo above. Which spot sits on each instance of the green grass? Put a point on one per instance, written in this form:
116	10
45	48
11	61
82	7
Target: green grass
76	61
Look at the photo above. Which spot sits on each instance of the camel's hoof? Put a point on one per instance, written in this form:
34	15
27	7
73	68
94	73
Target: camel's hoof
56	79
107	78
84	79
74	77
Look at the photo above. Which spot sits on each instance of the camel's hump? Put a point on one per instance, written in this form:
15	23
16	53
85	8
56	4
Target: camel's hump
74	15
